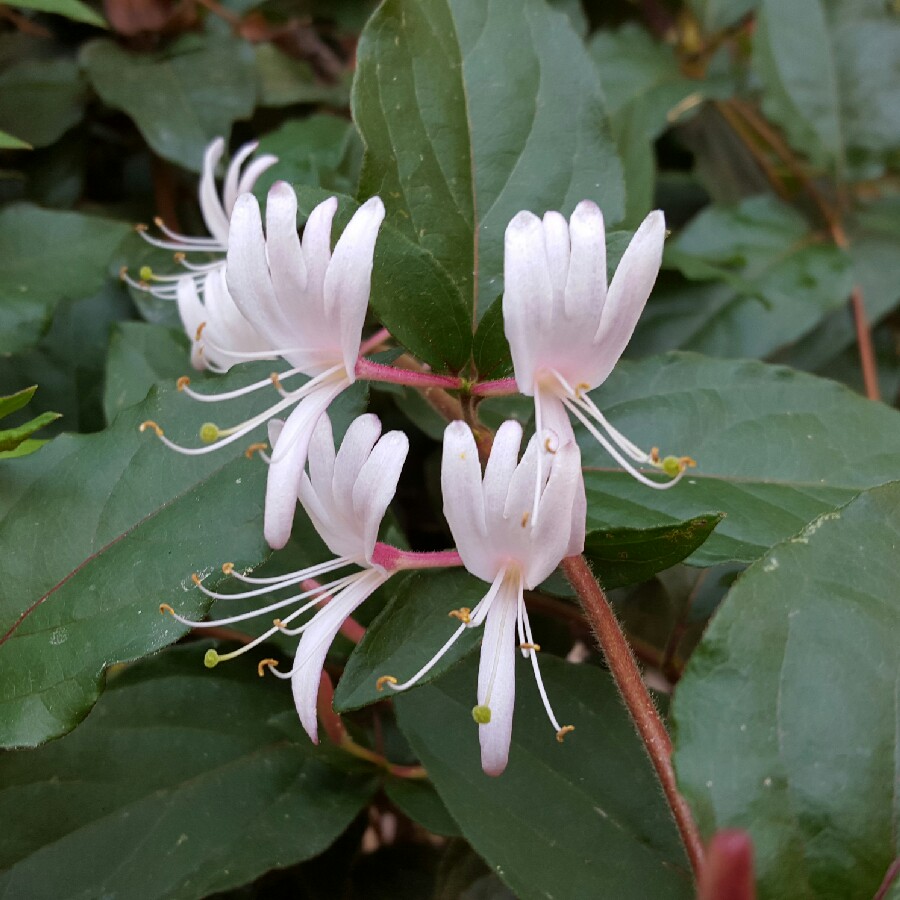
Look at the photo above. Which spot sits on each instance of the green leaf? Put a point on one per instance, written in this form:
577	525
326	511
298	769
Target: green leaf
490	349
141	355
41	100
208	773
8	142
774	449
419	800
472	112
408	632
772	282
45	256
786	718
106	527
624	556
411	294
71	9
180	98
11	438
284	81
15	402
584	818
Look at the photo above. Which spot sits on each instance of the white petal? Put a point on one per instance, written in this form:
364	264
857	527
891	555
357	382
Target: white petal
210	205
288	461
230	189
628	293
586	285
317	249
556	242
226	324
247	273
192	314
274	429
349	277
285	257
527	295
358	442
497	679
520	497
499	470
321	457
377	484
464	500
254	170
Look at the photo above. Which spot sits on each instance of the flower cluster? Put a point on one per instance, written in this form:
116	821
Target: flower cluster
269	293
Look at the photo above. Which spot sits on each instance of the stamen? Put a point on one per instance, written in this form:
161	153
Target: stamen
563	732
179	257
549	446
267	663
230	395
463	614
165	608
258	447
537	670
228	568
275	380
308	572
430	664
269	588
152	425
182	382
525	516
196	579
481	714
199	331
383	680
528	646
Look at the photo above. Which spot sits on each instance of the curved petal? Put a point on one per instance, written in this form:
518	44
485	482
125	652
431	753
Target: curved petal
254	170
358	442
376	485
497	679
628	293
499	470
527	295
520	497
348	280
317	250
464	500
227	326
230	189
586	284
210	205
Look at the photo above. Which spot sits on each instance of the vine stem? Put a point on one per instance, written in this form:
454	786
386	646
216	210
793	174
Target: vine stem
637	698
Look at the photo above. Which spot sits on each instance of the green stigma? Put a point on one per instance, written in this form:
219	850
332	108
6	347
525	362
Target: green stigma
481	714
210	659
146	273
671	466
209	432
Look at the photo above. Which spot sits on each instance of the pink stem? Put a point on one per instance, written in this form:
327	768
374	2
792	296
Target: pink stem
368	345
350	629
392	559
373	371
500	388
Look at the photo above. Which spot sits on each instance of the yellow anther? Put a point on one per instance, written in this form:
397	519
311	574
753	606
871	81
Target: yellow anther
199	331
688	462
152	426
654	455
481	714
182	382
278	623
385	679
525	517
140	227
146	273
196	579
123	273
179	257
580	388
276	381
228	568
548	445
563	732
535	647
165	608
255	448
462	614
209	432
158	221
264	664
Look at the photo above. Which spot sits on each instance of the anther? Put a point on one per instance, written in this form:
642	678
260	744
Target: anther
481	714
228	568
548	445
179	257
140	227
209	432
255	448
654	455
560	735
158	222
277	382
264	664
146	273
278	624
580	388
165	608
687	462
152	426
196	579
385	679
210	659
182	382
123	273
535	647
462	614
199	331
525	516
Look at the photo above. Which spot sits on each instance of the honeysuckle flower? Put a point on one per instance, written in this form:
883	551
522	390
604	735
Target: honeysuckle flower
346	495
308	305
566	331
503	543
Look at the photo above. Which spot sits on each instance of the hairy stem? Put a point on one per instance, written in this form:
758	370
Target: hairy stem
637	698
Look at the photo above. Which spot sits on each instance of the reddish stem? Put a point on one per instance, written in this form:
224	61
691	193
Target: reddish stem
330	720
637	698
728	873
392	559
889	877
502	387
373	371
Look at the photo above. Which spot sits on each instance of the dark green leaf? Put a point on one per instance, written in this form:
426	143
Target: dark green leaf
411	294
17	401
106	527
628	555
774	449
180	98
413	626
490	349
772	282
786	716
71	9
44	257
284	80
419	800
584	818
472	112
40	101
190	781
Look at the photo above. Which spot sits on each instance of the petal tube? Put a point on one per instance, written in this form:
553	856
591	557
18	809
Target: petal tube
464	500
628	293
349	277
586	285
210	205
527	294
497	678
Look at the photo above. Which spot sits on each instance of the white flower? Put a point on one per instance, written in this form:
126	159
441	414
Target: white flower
308	306
346	496
501	542
566	331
